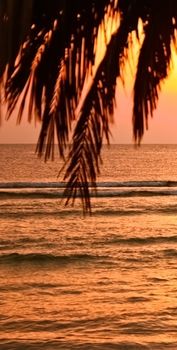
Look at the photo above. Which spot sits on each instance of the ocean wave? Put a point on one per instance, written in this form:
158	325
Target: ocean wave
38	258
55	190
170	253
16	185
142	240
58	194
106	184
79	345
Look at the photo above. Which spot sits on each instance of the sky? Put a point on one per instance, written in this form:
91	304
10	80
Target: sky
162	127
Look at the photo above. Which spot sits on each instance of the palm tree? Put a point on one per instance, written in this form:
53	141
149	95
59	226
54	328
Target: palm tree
47	52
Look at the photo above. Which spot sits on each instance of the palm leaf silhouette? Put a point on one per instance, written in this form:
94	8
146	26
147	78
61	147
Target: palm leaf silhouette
47	53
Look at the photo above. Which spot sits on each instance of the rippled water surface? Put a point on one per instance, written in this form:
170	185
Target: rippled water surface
108	281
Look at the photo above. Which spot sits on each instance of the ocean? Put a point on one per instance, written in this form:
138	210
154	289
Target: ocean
102	282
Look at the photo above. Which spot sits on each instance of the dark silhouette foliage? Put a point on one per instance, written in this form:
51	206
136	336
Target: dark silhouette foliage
48	50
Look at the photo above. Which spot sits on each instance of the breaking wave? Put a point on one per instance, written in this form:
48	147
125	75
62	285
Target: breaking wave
16	185
104	189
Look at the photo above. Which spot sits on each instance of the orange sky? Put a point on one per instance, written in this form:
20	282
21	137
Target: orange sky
162	127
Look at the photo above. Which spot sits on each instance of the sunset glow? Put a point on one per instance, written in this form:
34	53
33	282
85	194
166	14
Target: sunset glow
163	126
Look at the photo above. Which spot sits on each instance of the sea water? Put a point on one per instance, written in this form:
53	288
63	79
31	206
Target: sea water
100	282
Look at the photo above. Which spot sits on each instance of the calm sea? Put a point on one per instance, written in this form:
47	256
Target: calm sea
103	282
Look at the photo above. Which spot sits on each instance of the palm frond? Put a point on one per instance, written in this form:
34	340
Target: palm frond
96	111
84	157
15	21
153	64
60	35
51	51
